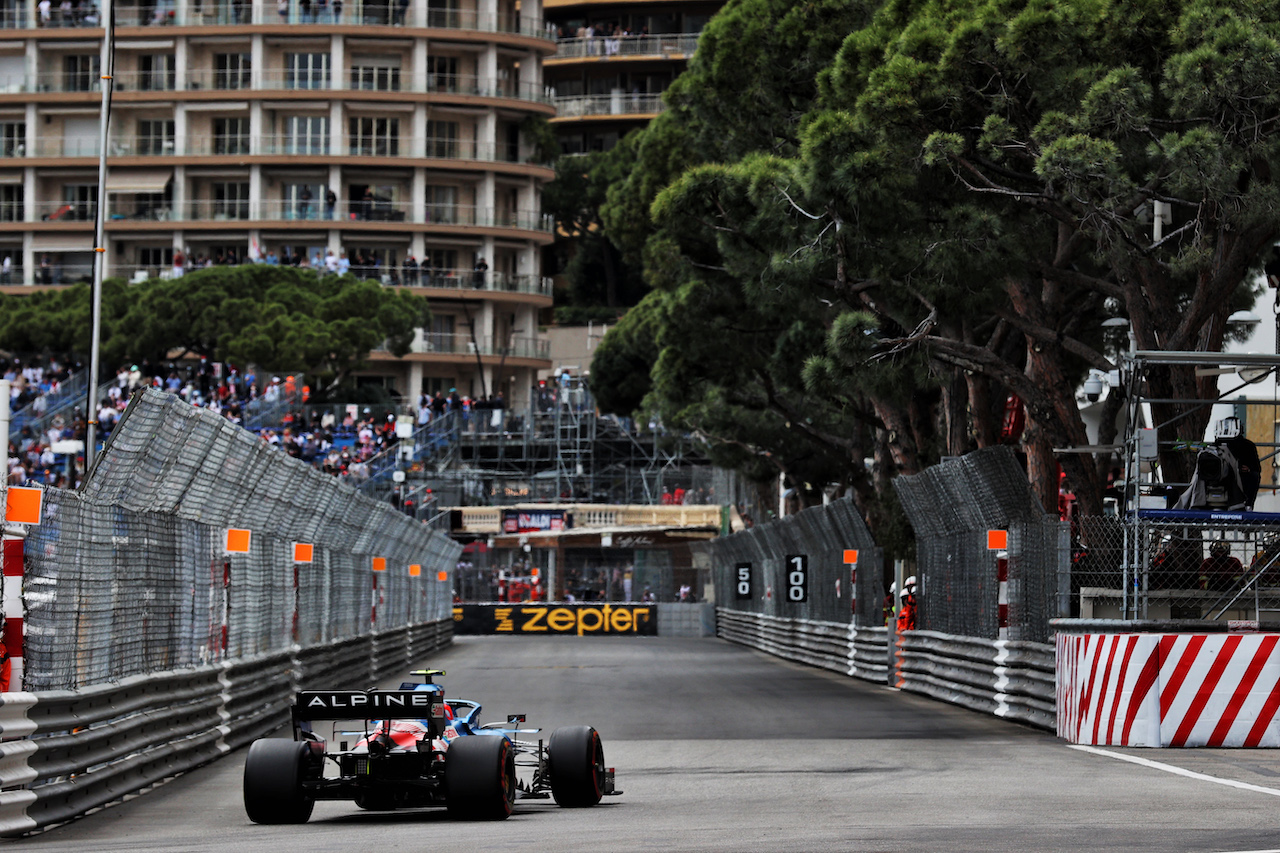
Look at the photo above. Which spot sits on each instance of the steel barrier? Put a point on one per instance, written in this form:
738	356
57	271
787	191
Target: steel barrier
835	646
69	751
1008	678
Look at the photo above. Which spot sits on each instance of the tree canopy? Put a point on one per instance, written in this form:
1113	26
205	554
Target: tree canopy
936	212
279	318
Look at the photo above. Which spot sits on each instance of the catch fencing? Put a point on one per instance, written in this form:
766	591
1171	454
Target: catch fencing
151	645
809	588
131	574
983	613
952	508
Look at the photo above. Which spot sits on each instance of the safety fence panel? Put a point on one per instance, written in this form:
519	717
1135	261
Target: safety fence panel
133	574
795	568
68	752
952	507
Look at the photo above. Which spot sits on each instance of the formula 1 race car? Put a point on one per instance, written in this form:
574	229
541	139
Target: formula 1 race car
410	748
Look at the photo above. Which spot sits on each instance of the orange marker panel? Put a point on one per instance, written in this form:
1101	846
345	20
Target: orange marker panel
414	570
23	505
237	541
379	564
997	540
851	555
303	552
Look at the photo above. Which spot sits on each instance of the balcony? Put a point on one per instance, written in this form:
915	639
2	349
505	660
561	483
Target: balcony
204	145
168	13
456	344
619	104
210	80
674	46
121	211
56	272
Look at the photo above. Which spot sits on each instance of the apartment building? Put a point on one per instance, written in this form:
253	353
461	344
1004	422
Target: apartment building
289	129
613	61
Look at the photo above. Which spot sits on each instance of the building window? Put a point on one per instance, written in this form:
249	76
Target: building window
80	73
79	201
376	73
441	262
442	139
11	203
155	137
442	73
303	201
155	256
155	72
13	138
443	13
374	137
231	200
232	71
306	71
306	135
231	136
442	205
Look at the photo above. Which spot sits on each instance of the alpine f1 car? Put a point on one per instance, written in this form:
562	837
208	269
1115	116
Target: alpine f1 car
410	748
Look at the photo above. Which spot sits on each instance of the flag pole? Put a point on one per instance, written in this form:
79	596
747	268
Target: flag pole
106	68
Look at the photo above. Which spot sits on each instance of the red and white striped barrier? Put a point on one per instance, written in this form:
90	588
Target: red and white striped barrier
1169	689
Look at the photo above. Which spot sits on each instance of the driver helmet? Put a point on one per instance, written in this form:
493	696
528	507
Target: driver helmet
1228	427
1219	548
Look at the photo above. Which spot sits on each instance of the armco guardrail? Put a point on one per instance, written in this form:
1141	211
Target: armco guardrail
1008	678
839	647
66	752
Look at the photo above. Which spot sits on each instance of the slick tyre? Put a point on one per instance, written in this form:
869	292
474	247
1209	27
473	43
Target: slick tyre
575	757
480	778
273	775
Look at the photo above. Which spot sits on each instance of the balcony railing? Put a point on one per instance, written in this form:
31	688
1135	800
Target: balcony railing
459	344
619	104
49	269
167	13
123	208
206	145
276	80
609	46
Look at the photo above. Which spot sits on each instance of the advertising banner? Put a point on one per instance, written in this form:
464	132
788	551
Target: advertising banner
580	619
533	521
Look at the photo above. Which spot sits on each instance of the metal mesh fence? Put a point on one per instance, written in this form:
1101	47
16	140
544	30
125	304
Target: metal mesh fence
1176	566
951	507
818	536
129	576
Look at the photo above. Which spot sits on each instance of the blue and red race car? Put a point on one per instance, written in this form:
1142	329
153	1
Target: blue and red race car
412	748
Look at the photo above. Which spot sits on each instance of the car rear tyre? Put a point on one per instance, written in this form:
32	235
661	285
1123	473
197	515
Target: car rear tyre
273	773
480	778
575	757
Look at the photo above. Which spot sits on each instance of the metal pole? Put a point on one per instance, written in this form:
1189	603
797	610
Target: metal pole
4	420
106	67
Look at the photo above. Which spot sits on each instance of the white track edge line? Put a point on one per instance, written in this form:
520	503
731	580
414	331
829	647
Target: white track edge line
1177	771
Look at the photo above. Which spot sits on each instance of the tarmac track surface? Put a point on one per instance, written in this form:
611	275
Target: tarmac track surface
718	747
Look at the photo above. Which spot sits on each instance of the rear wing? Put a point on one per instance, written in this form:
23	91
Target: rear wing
368	705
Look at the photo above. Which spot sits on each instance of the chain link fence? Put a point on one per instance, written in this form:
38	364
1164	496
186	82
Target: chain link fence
951	507
129	575
1177	566
795	567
